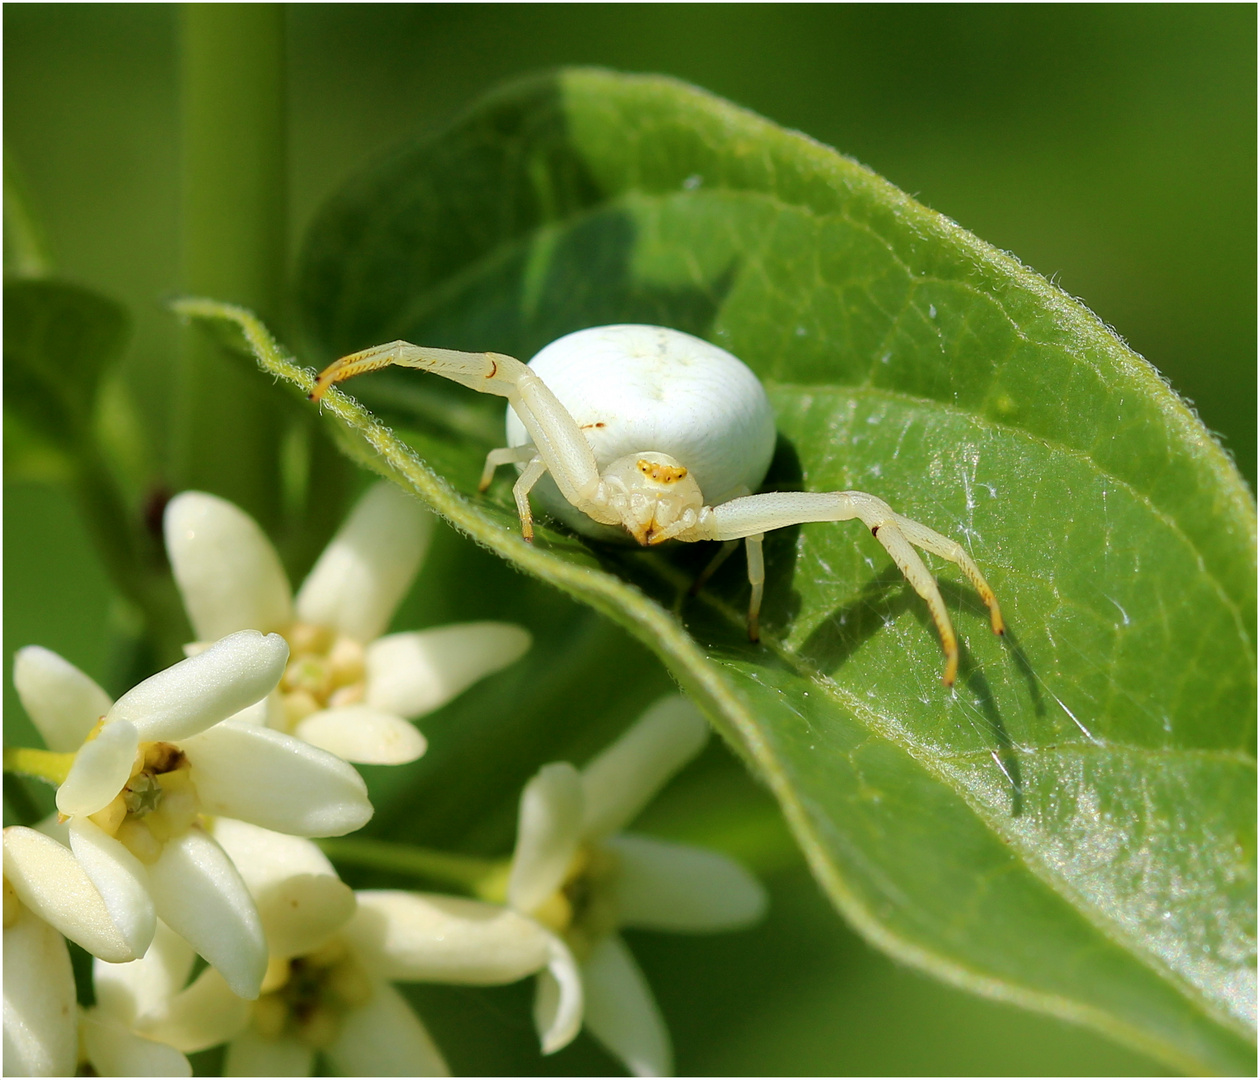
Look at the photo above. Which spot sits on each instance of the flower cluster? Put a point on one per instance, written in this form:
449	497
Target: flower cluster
348	687
186	810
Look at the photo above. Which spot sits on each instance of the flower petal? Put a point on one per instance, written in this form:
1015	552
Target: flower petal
368	566
621	1012
676	887
100	770
190	696
143	988
40	1014
49	880
200	895
558	1000
250	1054
300	899
547	835
266	713
227	571
274	780
414	673
113	1050
364	734
622	780
62	702
385	1038
424	937
200	1016
121	880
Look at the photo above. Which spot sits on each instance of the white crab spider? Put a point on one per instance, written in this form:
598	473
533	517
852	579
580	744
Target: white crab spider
666	436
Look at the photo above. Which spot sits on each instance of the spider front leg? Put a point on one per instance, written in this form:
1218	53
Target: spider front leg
754	514
559	444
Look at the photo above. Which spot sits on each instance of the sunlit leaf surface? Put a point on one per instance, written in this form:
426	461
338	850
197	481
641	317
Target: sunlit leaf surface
1073	826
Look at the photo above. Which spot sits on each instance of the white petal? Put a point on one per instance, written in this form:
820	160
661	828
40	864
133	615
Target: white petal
414	673
267	858
364	734
190	696
120	878
368	566
49	880
228	573
385	1038
266	713
558	1000
200	1016
622	780
143	988
300	899
274	780
423	937
100	770
547	835
62	702
621	1012
200	895
249	1054
676	887
115	1051
40	1015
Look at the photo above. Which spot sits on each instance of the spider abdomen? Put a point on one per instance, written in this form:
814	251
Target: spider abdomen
635	389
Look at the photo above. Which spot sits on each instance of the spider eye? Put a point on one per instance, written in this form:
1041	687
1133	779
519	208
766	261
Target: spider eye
662	474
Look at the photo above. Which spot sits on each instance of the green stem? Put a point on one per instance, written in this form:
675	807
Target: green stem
235	211
41	764
468	872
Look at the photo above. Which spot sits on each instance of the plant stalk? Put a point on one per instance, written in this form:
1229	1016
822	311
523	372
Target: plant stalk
463	871
46	765
235	210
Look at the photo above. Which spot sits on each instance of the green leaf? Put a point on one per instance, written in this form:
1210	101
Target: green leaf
58	339
1072	828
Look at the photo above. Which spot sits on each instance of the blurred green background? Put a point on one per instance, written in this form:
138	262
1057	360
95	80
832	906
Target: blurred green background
1112	149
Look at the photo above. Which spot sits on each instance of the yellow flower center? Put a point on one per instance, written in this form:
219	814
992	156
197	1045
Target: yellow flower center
326	669
158	802
305	997
582	911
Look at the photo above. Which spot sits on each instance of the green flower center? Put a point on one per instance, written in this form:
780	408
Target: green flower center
158	802
583	910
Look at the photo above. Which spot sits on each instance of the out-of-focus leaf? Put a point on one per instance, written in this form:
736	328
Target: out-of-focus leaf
58	339
1071	829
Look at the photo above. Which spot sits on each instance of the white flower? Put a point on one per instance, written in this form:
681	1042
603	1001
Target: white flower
328	981
575	873
46	894
347	689
158	759
113	1049
39	995
45	1032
